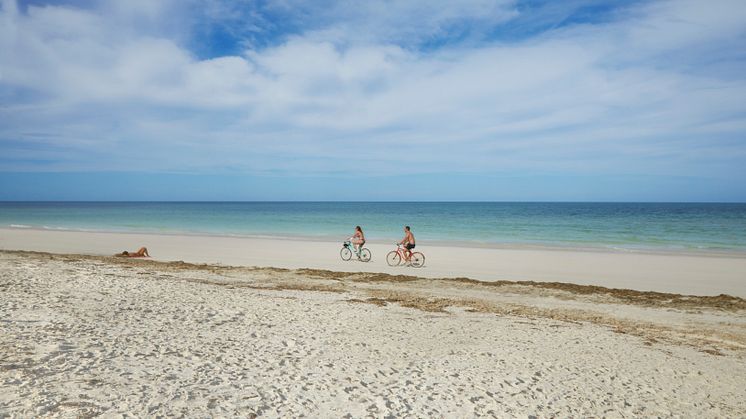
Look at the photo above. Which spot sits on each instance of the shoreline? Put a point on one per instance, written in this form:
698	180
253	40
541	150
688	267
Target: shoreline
672	273
467	244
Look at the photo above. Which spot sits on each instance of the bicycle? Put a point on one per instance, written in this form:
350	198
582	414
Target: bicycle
395	257
348	249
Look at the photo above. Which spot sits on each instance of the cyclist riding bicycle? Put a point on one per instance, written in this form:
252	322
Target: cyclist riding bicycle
408	243
358	239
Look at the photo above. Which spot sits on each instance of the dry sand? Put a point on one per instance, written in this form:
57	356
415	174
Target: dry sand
84	335
696	274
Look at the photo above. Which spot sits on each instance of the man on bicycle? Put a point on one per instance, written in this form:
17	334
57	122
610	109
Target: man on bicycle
408	243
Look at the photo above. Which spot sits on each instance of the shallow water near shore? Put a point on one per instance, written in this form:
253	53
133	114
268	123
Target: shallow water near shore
625	226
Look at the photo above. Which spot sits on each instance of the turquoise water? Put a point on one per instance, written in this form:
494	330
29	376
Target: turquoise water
668	226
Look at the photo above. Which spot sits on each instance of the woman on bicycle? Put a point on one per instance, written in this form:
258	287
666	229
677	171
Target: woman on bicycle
358	239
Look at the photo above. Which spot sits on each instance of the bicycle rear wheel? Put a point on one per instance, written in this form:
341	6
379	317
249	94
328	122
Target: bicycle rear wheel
393	258
365	255
345	253
417	260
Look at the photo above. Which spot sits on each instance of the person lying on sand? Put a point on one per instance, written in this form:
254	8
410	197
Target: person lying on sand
141	253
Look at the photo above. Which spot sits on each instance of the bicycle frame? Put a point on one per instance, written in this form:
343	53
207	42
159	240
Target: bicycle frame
396	257
401	250
353	247
348	250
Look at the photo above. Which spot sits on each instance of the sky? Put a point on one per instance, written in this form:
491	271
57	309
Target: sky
478	100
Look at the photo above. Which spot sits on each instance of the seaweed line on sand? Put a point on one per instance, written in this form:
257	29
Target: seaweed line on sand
627	296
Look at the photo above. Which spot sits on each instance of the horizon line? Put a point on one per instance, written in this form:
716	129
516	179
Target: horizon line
377	201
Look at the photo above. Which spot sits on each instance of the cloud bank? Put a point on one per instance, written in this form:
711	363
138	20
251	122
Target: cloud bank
291	88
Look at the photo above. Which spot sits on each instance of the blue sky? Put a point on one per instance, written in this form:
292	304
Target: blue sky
407	100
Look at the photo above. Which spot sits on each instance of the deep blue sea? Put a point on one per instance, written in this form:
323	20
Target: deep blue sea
662	226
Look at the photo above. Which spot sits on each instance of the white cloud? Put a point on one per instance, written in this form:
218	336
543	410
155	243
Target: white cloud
349	94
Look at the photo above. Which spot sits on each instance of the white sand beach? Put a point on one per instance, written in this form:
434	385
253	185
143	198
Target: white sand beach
681	273
284	328
82	336
572	171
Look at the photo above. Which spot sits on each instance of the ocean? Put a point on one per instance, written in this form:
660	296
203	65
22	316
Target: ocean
632	226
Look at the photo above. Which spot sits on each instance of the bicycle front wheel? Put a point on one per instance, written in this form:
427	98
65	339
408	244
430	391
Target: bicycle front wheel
417	259
365	255
393	258
345	253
